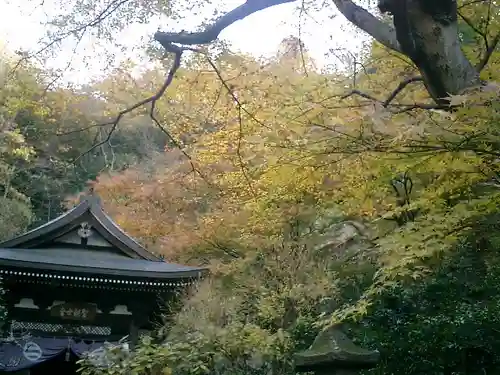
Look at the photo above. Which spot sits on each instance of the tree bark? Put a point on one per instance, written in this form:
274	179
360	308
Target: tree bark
427	32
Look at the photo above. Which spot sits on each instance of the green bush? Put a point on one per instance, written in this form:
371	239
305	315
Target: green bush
448	324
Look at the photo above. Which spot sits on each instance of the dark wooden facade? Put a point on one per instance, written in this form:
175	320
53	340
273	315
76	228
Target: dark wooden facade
81	277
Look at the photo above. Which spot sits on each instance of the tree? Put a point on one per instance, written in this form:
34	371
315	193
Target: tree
426	33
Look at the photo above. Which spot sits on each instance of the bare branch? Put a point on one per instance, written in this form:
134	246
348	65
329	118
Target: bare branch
397	108
152	99
212	32
360	17
359	93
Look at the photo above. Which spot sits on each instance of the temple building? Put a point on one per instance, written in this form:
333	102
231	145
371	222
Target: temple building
77	282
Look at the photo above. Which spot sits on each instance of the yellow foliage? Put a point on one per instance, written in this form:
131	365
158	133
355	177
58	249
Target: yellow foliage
291	149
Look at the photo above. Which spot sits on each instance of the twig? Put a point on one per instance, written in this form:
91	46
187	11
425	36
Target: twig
175	142
240	108
301	46
469	23
231	93
58	76
244	169
489	46
79	130
471	3
106	12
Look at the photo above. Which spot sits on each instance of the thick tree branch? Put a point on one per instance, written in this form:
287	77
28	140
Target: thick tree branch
360	17
400	88
212	32
425	31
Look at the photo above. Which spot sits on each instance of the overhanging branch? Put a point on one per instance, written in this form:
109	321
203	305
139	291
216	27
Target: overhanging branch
360	17
212	32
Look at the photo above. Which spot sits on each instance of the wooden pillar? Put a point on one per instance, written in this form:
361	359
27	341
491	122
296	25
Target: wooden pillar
333	353
133	335
138	321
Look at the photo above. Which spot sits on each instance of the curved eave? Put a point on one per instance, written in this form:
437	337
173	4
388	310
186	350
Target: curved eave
118	237
109	272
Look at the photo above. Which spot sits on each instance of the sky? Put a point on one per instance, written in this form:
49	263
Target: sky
322	31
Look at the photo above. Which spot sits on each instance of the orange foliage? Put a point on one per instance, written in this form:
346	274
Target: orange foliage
161	207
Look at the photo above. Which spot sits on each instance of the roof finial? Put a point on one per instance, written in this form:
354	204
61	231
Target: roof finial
90	187
91	195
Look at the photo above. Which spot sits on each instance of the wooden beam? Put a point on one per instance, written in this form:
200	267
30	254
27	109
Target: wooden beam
115	321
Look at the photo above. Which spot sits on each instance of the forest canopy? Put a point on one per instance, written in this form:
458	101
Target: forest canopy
366	195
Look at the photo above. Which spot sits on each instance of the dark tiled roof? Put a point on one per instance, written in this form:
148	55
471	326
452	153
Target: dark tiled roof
35	250
94	262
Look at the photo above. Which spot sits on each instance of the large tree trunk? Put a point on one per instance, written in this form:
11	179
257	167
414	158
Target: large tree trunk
427	32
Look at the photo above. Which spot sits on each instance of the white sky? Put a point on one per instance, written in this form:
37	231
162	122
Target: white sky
259	34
